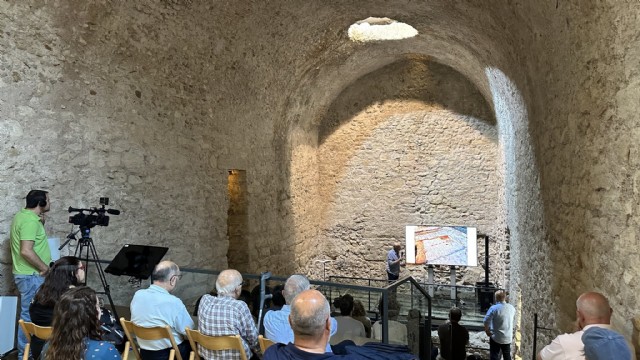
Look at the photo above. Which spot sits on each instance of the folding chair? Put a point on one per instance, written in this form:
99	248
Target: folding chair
29	329
264	343
154	333
227	342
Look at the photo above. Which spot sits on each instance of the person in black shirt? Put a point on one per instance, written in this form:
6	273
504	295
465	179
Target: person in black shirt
453	337
65	273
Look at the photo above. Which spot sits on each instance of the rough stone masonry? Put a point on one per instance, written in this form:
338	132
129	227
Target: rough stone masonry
151	103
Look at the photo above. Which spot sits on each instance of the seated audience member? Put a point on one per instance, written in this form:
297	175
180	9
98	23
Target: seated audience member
255	301
276	323
311	323
226	315
604	344
277	301
348	327
65	273
197	305
155	306
76	329
397	330
453	337
593	311
360	314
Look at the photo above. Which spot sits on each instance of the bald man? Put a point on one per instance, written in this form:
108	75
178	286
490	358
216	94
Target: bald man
155	306
276	323
592	310
311	326
226	315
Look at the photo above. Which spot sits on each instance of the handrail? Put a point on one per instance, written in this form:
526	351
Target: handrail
535	334
385	291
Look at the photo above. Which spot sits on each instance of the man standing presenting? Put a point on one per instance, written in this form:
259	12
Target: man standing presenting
393	262
498	324
155	306
226	315
30	253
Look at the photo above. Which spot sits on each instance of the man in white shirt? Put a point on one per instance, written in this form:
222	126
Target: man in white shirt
592	310
348	327
155	306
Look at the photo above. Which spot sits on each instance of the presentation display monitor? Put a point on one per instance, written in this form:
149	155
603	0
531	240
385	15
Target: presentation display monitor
136	260
441	245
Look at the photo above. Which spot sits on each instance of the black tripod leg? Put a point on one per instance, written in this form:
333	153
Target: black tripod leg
103	278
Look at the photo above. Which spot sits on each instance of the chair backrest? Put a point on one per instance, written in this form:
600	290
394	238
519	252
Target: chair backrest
264	343
227	342
154	333
29	329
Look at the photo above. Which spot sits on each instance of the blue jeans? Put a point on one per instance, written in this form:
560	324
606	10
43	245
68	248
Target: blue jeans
27	285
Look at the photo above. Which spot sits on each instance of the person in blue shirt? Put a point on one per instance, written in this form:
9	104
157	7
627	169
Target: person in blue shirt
498	324
394	261
311	324
276	323
76	329
156	306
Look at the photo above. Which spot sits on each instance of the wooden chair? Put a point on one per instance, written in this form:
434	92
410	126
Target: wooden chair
264	343
154	333
30	329
125	353
228	342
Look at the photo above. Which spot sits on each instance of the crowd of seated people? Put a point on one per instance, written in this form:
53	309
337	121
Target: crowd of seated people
74	313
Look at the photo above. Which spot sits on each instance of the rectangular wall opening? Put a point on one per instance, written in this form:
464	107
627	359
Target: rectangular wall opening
238	251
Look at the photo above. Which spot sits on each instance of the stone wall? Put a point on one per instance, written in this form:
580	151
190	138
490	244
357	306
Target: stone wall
412	143
151	102
127	101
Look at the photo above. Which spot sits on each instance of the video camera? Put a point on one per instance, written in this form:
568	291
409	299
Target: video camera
96	216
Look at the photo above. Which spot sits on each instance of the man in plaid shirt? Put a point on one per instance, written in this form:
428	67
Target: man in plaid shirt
225	315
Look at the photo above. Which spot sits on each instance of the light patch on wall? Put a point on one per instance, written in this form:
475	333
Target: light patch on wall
377	29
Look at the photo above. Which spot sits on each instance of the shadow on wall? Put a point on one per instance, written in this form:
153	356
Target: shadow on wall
414	78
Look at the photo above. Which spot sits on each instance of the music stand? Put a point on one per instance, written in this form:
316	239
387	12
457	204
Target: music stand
136	260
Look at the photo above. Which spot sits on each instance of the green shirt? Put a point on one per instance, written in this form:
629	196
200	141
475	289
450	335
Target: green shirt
26	225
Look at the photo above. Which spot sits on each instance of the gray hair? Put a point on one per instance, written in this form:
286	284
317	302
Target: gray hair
309	320
164	271
295	285
228	281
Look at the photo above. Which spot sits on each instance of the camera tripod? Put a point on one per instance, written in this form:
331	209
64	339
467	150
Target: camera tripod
85	244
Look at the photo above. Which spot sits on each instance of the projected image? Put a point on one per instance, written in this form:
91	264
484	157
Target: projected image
441	245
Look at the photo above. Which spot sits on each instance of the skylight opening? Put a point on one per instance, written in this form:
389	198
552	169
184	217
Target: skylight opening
378	29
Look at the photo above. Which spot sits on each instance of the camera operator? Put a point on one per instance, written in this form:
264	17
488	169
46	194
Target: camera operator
30	253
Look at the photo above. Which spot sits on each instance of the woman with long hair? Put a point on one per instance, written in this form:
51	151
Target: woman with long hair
76	329
360	314
65	273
